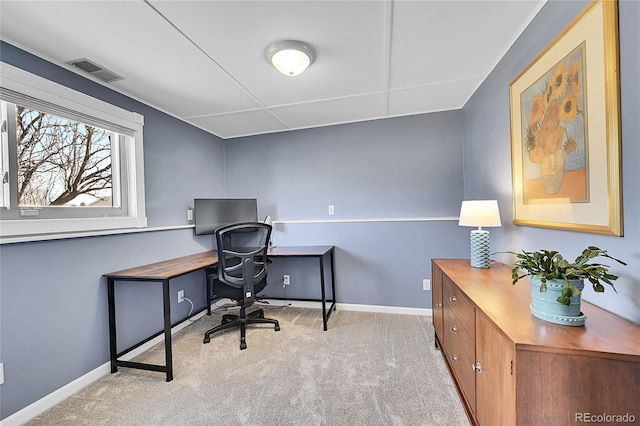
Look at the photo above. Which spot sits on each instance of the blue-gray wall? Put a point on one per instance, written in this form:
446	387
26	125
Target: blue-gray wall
405	167
53	320
487	161
53	317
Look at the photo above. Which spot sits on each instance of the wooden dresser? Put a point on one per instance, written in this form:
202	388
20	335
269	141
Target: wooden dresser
511	368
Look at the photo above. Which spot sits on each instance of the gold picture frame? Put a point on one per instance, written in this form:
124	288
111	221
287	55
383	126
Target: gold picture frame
565	129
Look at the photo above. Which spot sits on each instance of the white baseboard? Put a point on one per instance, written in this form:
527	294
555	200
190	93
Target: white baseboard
294	303
43	404
57	396
385	309
352	307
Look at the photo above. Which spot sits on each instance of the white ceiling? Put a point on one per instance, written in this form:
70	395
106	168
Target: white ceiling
204	61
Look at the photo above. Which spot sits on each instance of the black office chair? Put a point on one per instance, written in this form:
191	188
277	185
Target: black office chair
242	273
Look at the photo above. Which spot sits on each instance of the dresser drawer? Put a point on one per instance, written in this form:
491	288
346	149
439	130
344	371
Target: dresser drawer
459	304
460	352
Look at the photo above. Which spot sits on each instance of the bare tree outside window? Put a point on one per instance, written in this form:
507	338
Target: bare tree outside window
61	162
69	163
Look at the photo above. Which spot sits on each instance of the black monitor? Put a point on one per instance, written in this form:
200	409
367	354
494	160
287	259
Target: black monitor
212	213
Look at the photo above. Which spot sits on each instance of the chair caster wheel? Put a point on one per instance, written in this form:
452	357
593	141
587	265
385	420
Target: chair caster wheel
206	340
243	346
276	328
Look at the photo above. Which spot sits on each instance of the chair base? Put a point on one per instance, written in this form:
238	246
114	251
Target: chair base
230	321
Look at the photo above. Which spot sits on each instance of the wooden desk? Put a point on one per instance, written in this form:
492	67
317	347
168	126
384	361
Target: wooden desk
164	271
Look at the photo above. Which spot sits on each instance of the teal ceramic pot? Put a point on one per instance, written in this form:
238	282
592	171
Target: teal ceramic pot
544	304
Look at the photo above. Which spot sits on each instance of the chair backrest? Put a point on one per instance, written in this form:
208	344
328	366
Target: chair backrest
242	255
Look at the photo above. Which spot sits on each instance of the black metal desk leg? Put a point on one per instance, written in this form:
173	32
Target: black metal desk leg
207	297
324	296
167	329
333	279
113	352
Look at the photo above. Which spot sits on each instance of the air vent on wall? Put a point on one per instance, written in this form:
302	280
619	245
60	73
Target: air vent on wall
95	70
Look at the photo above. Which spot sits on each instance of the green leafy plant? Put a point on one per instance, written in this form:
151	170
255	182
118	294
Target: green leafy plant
549	265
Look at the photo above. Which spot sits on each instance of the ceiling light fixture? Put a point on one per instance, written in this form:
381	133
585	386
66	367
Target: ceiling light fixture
290	57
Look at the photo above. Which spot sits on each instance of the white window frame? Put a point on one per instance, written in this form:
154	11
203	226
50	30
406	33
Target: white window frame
4	160
23	82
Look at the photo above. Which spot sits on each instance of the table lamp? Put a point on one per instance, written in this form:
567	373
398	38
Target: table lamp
479	213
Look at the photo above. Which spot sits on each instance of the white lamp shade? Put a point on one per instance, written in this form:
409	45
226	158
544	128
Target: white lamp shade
480	213
290	57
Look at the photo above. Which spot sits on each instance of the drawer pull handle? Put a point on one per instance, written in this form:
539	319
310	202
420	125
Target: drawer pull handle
439	305
454	358
453	299
454	329
476	367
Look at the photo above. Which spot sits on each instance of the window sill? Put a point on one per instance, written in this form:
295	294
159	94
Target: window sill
68	235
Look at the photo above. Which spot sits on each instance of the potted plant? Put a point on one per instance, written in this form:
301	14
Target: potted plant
556	284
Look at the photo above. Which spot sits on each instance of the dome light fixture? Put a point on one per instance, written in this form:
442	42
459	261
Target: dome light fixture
290	57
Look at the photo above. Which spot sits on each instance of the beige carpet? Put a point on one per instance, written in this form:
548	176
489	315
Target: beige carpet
368	369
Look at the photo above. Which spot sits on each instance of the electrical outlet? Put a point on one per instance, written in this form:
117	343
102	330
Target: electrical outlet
426	285
332	209
286	280
1	373
189	214
180	296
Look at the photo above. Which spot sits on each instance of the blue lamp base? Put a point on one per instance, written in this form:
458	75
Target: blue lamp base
480	248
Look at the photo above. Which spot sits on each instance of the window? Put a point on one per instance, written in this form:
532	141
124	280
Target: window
70	163
59	163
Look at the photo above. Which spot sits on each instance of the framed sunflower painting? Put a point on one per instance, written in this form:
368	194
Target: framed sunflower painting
565	129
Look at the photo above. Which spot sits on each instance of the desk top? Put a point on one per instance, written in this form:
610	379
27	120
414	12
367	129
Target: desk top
298	251
168	269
